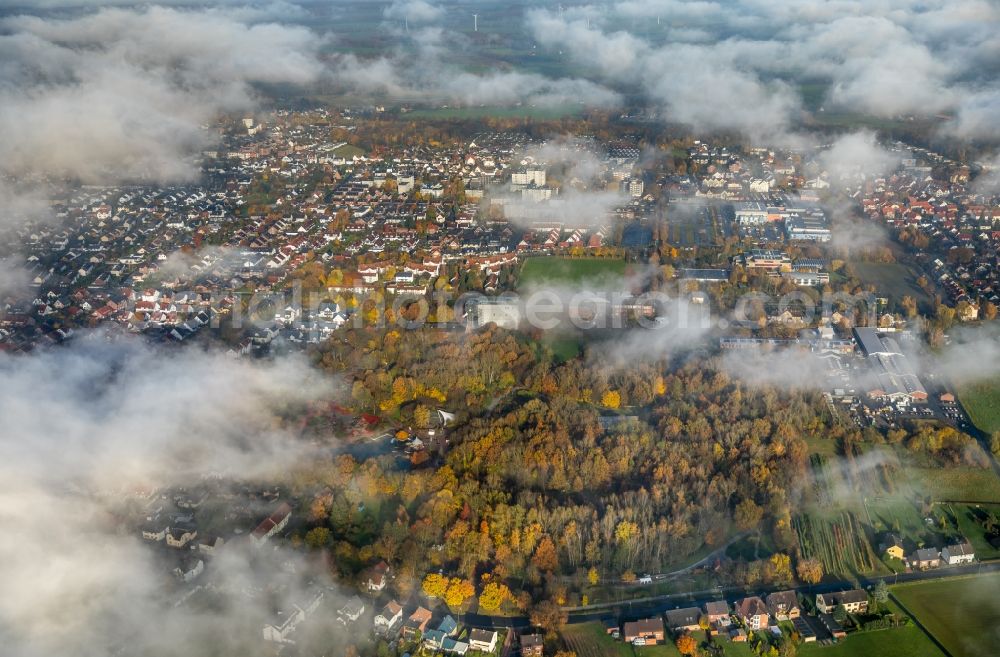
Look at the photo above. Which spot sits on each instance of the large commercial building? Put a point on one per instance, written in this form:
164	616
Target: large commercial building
505	313
809	228
892	376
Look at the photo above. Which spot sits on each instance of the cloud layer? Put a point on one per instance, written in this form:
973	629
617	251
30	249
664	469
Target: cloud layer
87	425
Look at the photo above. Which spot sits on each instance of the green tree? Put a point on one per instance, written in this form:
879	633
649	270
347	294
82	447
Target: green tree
318	537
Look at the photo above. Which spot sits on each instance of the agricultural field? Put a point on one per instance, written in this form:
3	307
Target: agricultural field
982	401
852	501
839	542
553	269
961	613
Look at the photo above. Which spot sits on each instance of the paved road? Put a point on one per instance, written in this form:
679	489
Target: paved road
643	607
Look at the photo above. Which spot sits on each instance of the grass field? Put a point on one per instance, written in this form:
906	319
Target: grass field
982	401
590	640
962	614
564	347
892	280
956	484
907	641
552	269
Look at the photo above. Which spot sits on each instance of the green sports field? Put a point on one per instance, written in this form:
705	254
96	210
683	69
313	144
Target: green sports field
554	269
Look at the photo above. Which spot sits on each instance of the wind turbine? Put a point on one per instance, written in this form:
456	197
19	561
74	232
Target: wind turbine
475	22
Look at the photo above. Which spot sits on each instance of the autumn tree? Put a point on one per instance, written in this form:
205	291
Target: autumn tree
458	591
318	537
686	644
422	416
611	399
545	558
779	568
809	571
549	616
593	577
748	514
435	585
493	595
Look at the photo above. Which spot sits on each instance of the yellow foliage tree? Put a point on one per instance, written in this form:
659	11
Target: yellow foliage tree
686	644
459	590
435	585
493	595
611	399
593	576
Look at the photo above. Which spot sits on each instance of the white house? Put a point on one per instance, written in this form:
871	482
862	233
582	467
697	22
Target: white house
485	640
390	615
958	553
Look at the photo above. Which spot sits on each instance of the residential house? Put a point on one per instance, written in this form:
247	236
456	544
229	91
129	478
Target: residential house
154	531
210	544
854	601
958	553
832	626
646	632
484	640
351	611
804	629
417	622
784	605
435	639
271	525
532	645
390	616
286	620
453	646
925	558
378	576
180	534
683	619
752	612
189	568
717	611
892	545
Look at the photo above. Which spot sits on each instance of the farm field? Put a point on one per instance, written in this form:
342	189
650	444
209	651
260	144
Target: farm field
982	401
852	501
554	269
961	613
839	542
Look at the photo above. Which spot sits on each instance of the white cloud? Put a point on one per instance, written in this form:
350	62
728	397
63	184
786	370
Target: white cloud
86	424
